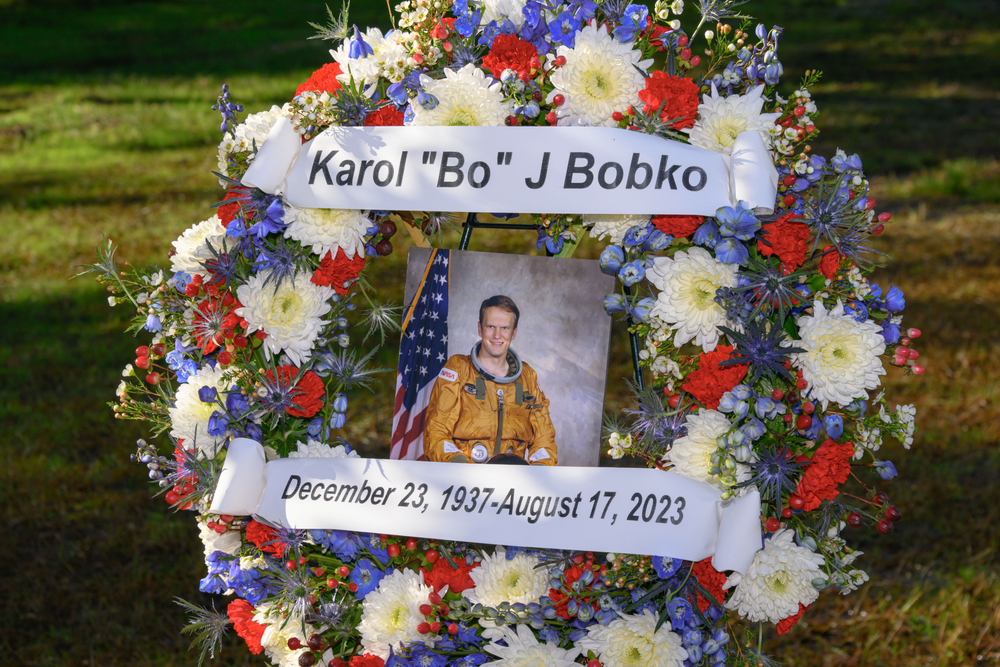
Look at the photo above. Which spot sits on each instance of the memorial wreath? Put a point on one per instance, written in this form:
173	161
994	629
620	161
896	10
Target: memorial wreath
756	321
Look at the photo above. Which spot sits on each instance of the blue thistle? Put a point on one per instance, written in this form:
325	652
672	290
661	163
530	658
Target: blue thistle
346	368
762	348
207	625
768	287
277	392
830	213
352	106
736	303
774	473
280	260
655	426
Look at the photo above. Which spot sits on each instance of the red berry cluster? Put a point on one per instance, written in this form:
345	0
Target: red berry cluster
315	645
904	355
438	617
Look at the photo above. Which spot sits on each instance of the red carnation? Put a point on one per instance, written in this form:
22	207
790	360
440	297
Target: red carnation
830	264
829	468
711	580
509	52
710	381
678	225
786	624
307	394
787	240
241	614
323	80
227	212
680	94
335	272
385	116
265	538
366	660
442	574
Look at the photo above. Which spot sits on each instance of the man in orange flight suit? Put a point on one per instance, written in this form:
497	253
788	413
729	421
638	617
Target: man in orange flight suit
488	402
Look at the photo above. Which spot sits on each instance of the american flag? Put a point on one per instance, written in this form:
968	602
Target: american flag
423	352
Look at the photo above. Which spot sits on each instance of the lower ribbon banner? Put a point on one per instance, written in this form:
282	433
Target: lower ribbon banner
619	510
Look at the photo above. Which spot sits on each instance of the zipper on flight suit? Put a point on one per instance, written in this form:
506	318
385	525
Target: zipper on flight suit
496	447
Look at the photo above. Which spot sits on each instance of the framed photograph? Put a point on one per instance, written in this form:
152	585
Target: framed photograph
502	358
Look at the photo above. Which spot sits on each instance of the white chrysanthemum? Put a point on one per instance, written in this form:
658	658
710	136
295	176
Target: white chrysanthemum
228	542
614	226
314	449
599	78
465	98
498	10
279	630
691	455
778	580
290	315
193	246
326	229
189	416
252	131
390	614
633	641
722	119
841	358
500	580
524	650
365	70
687	283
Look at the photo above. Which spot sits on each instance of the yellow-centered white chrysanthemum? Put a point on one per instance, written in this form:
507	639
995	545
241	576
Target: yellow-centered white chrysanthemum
524	650
691	455
465	98
632	640
777	581
280	628
722	119
501	580
599	78
189	415
841	359
193	246
390	614
314	449
613	226
289	312
687	283
326	229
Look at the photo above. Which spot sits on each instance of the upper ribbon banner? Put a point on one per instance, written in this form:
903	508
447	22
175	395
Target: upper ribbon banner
521	169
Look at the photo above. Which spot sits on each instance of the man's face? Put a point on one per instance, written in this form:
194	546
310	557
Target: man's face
497	331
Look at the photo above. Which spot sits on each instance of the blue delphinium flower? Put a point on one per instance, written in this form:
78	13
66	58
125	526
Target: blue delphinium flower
614	303
665	566
894	301
632	21
359	48
563	28
373	545
738	222
890	332
678	611
833	424
632	272
611	259
635	236
343	544
640	310
366	576
885	469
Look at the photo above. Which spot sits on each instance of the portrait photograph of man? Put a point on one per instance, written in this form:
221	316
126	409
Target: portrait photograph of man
503	359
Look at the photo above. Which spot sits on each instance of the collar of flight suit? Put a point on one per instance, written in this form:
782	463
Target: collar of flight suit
513	363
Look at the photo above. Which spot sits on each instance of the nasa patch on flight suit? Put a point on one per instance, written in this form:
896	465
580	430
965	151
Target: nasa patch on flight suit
448	374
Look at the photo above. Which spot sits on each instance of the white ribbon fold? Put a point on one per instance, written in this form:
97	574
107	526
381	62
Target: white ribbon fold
620	510
524	169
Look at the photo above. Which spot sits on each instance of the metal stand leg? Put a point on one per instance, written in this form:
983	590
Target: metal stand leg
633	340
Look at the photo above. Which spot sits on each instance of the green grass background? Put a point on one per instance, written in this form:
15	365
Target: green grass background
105	127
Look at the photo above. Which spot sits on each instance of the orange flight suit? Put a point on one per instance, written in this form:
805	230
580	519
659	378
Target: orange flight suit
457	419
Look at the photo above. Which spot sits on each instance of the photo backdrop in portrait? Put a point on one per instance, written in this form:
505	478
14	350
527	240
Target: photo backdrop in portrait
563	332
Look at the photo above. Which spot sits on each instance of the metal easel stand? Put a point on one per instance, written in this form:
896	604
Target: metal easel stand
472	222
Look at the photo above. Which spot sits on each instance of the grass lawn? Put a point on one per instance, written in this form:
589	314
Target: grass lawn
105	128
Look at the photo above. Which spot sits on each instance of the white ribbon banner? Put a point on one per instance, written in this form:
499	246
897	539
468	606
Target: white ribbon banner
620	510
519	169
